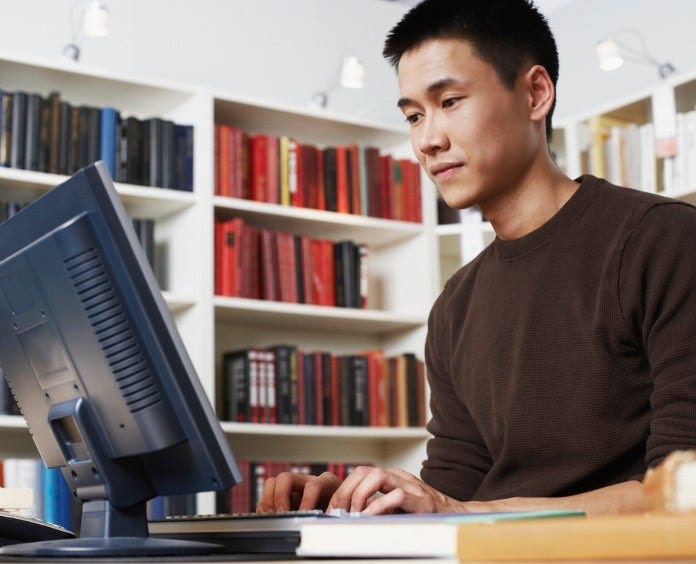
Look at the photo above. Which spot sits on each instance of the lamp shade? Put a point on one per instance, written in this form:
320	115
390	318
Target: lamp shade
608	55
352	73
96	19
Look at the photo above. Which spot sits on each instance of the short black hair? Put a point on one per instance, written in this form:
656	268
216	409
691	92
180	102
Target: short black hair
505	33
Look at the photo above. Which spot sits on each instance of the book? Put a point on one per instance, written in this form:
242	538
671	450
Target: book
108	137
433	535
33	132
19	123
5	128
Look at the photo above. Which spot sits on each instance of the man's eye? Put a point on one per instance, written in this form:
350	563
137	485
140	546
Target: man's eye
448	102
412	118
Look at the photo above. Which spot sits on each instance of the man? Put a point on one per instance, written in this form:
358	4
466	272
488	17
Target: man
561	360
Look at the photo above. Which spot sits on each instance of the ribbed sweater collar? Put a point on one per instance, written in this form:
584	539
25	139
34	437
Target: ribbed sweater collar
566	216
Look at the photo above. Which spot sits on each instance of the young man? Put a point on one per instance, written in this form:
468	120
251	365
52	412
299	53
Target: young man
561	360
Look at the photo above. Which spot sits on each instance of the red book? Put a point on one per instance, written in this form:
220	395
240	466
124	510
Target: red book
270	287
223	162
259	167
271	386
287	275
300	388
250	283
372	164
273	171
321	188
318	389
397	191
308	270
228	238
297	173
335	392
385	185
418	207
217	241
342	188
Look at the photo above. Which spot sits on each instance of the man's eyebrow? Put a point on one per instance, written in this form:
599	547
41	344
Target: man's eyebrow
434	87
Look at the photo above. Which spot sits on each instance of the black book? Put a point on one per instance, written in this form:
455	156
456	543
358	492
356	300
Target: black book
133	163
53	151
310	396
82	138
360	414
283	370
412	396
326	388
93	134
5	128
145	230
19	129
345	387
183	157
344	270
33	132
152	152
236	369
299	271
330	179
167	155
65	151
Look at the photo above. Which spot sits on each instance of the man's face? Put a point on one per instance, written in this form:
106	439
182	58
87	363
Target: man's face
470	133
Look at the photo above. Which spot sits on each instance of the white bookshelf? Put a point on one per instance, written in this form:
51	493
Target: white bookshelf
403	256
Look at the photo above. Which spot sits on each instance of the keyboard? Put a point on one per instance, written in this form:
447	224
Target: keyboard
241	533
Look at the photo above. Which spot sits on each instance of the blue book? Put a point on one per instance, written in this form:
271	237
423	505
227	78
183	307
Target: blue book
49	489
109	130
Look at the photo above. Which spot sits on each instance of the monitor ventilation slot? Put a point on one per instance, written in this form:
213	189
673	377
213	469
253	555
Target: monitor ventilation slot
113	329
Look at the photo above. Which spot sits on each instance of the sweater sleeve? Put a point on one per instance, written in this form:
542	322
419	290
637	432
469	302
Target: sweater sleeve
457	459
657	296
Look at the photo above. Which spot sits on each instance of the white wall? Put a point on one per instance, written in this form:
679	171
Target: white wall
283	50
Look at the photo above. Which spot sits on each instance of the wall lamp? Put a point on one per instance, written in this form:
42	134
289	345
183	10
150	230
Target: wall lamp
351	74
90	19
612	53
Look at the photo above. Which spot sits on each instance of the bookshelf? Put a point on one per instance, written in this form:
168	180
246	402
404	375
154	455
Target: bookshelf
403	271
604	142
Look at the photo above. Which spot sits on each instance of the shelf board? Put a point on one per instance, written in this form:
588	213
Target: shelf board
318	223
178	302
287	315
688	195
12	422
141	201
299	431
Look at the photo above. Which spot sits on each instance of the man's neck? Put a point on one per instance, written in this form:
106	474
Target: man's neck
532	202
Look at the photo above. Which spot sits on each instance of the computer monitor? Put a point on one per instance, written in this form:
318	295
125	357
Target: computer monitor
100	373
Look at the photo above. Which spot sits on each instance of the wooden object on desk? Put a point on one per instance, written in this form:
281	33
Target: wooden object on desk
16	498
671	486
638	536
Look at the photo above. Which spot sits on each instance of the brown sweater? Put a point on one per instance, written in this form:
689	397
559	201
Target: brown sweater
565	360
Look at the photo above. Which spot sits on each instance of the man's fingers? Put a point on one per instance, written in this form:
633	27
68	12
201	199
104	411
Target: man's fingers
376	480
285	485
318	490
343	496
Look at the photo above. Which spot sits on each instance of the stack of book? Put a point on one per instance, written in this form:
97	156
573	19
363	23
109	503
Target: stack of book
281	384
345	179
244	497
48	134
258	263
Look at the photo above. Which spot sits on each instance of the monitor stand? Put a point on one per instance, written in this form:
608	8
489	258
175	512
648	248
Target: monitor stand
110	531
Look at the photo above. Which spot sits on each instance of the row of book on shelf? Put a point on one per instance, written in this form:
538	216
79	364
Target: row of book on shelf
629	154
49	134
54	503
259	263
286	385
345	178
245	496
144	228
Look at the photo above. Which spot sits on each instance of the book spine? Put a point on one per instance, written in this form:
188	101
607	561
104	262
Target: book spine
18	138
33	132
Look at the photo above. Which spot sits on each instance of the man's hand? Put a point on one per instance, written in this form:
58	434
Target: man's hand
289	492
403	492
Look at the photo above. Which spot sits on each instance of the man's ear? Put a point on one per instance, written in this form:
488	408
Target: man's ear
541	92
